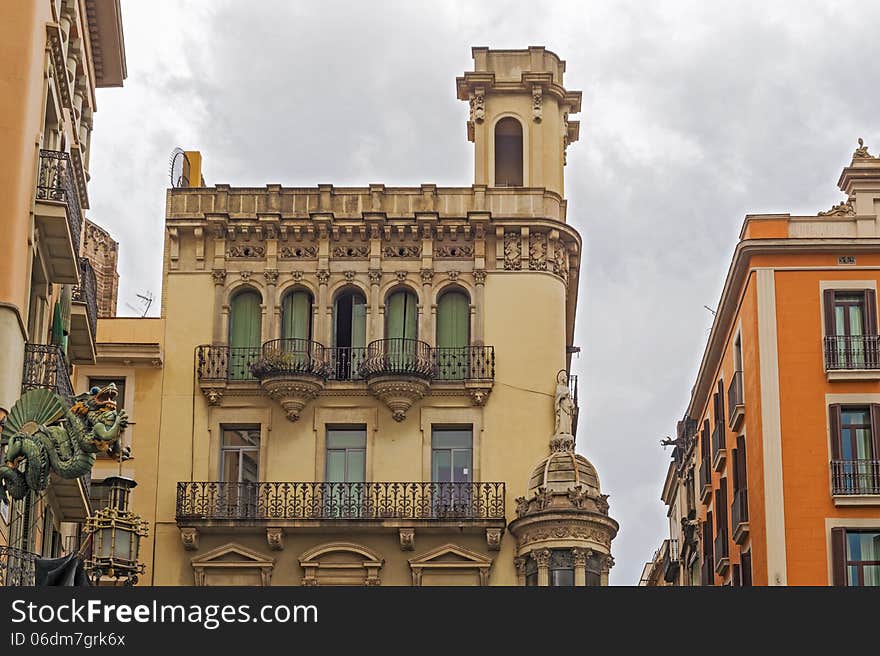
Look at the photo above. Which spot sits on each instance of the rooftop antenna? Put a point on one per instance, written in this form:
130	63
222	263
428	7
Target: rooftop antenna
145	300
710	310
178	168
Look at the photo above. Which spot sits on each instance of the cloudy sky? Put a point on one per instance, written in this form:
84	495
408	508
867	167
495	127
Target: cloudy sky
694	114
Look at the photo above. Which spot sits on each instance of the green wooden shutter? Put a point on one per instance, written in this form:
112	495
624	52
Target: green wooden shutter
410	324
358	321
296	316
244	324
394	316
452	320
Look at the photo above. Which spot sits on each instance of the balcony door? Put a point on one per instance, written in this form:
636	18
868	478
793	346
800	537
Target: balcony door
401	330
453	336
349	334
239	471
245	325
850	318
345	472
855	447
296	329
452	455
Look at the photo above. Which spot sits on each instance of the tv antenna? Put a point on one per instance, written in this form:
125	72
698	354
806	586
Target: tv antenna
145	300
710	310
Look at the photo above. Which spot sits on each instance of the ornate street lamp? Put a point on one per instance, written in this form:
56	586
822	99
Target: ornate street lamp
116	532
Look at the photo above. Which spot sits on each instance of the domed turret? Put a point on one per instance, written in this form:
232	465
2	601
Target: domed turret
563	470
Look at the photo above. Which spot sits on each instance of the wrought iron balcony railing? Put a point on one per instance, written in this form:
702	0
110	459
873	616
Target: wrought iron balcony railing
55	182
398	356
855	477
739	508
852	352
16	566
45	366
274	501
86	292
291	356
735	397
719	448
721	548
382	357
705	476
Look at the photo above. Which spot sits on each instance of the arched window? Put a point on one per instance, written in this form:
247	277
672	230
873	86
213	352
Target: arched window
296	315
508	153
453	336
245	322
401	316
349	333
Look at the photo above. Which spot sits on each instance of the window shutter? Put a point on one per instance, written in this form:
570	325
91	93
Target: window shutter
721	417
828	299
870	312
734	456
746	569
834	425
875	430
740	463
838	555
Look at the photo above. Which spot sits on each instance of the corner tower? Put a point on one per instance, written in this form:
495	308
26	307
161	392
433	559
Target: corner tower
518	119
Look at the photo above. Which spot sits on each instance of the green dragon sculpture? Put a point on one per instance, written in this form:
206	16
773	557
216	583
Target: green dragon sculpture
43	434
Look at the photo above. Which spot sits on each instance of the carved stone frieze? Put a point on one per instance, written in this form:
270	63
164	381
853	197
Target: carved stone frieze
246	251
402	250
512	251
351	251
537	103
453	250
537	252
298	252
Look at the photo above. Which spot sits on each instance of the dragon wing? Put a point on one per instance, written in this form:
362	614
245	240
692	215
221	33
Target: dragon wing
36	407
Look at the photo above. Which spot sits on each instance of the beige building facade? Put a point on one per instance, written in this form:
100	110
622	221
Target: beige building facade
350	392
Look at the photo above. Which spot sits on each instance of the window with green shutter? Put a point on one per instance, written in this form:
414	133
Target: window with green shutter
245	322
296	315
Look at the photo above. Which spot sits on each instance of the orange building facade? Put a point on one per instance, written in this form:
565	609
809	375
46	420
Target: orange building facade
775	476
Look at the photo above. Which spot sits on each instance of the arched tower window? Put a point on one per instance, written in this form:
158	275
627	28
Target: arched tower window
296	315
245	323
349	333
508	153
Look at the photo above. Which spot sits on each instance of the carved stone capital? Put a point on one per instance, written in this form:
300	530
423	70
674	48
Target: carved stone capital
542	557
493	538
519	564
349	275
219	276
375	276
479	276
323	276
245	275
427	275
190	538
453	275
580	556
407	539
401	275
271	276
275	538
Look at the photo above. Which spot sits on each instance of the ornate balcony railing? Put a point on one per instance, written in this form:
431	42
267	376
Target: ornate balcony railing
221	501
344	362
46	367
464	363
16	566
55	182
739	508
855	477
218	362
291	356
86	292
398	356
852	352
705	477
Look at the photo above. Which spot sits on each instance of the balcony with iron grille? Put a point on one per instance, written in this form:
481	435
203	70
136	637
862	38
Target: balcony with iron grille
721	553
855	482
739	515
345	507
58	216
82	342
295	371
16	567
45	367
705	478
852	357
735	404
719	449
671	562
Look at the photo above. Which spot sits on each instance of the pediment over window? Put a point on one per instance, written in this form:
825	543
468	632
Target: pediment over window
450	565
232	564
341	563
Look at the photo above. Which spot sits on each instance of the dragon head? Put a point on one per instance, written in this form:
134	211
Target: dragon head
97	399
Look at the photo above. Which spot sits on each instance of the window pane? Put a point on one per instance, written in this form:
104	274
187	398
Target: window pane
250	466
561	577
448	438
855	320
336	466
442	466
357	466
461	465
229	466
347	438
242	437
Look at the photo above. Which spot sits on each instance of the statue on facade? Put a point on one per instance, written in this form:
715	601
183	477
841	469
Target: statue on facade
45	434
563	405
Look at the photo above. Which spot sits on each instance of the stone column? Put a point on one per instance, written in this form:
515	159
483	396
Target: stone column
607	564
580	565
520	564
374	329
220	316
426	329
479	302
272	331
324	310
542	557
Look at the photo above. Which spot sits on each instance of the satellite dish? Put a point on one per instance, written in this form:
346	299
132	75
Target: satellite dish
179	169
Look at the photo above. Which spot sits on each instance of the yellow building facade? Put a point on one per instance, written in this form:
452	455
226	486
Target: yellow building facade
55	54
347	388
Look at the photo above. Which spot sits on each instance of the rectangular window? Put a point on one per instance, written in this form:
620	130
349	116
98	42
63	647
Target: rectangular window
240	470
856	555
452	453
346	471
855	446
850	329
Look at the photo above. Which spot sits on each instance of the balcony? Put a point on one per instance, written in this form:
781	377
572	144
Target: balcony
670	561
855	482
735	404
294	371
855	357
58	217
344	507
721	554
46	367
739	515
705	479
719	450
84	316
16	567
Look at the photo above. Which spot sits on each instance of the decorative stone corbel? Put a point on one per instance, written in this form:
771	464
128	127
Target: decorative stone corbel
493	538
190	538
214	395
407	539
275	538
